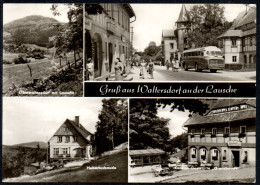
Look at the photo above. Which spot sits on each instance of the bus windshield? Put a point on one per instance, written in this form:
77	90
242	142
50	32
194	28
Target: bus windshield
214	53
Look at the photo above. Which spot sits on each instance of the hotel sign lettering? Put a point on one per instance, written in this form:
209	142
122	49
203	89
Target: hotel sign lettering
234	143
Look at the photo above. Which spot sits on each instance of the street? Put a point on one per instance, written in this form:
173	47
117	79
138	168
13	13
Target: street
162	74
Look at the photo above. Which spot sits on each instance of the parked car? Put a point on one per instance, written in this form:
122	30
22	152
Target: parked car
193	164
175	166
207	166
157	62
162	170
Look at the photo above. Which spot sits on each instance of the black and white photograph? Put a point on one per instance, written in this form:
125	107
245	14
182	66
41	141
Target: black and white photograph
65	140
187	42
42	49
192	140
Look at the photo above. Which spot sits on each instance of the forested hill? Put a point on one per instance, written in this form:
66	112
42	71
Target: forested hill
32	29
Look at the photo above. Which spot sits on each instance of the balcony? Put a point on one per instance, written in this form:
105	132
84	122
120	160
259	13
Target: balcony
111	27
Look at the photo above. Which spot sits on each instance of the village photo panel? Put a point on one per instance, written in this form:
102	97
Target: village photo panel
130	42
42	49
192	140
65	140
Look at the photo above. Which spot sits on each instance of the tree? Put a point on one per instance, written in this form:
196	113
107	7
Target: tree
69	36
180	141
207	23
112	127
147	130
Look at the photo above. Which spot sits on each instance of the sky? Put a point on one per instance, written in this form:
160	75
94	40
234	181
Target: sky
12	12
151	19
37	119
177	119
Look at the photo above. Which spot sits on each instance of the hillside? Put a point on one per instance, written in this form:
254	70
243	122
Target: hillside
33	144
32	29
14	158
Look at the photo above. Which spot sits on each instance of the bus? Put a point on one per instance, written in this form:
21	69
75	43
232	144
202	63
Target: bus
209	57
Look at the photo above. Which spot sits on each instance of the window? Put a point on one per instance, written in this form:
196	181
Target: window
227	130
75	138
66	129
242	129
234	58
193	152
67	140
250	41
215	154
234	42
245	157
192	131
59	139
224	155
203	131
56	151
171	45
243	106
65	151
214	131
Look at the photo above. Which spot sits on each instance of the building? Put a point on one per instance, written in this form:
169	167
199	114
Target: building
225	135
146	157
169	45
71	141
175	40
238	44
107	37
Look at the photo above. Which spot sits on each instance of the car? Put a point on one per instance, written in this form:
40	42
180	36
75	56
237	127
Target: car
162	170
175	166
157	62
193	164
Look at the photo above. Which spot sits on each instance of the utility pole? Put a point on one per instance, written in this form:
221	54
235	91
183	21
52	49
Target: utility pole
131	40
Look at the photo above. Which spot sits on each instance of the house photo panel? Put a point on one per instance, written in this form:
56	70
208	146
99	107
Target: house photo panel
65	140
192	140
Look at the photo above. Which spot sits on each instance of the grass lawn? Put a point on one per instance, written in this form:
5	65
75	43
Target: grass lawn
82	174
19	73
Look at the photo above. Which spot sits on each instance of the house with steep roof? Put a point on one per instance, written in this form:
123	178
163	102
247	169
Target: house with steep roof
71	141
238	44
225	135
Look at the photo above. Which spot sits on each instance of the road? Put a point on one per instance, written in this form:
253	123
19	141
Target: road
162	74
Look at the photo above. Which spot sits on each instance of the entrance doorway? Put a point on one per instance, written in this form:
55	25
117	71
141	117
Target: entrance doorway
110	55
235	158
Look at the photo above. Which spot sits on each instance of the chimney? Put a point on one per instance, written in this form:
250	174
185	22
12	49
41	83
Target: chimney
77	121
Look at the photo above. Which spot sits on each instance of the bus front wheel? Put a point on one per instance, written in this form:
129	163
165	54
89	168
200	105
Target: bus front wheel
213	70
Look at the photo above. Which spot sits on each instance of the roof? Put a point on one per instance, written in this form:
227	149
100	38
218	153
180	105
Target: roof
168	33
146	152
231	33
80	129
184	16
250	32
129	9
225	117
245	18
208	48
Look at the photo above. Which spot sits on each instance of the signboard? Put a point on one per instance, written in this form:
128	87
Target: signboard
234	143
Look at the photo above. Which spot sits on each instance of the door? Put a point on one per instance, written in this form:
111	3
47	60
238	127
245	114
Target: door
110	56
235	158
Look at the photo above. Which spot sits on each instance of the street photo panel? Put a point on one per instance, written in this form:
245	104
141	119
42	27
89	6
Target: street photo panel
192	140
42	49
65	140
187	42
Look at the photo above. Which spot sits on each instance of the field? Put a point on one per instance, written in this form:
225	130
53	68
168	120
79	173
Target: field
19	73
